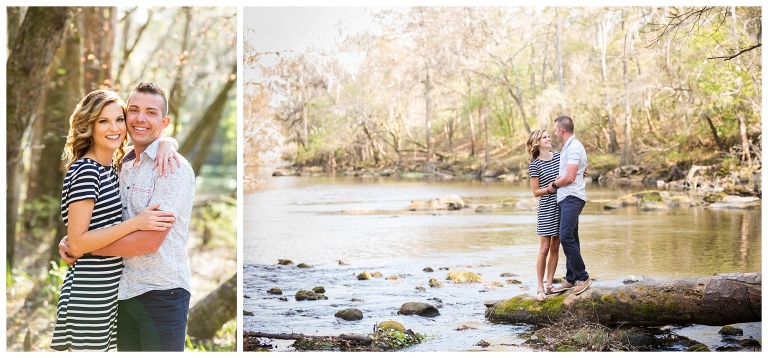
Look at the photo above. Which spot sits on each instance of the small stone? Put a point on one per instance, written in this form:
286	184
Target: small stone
435	283
350	314
318	289
303	265
275	291
284	262
428	269
365	275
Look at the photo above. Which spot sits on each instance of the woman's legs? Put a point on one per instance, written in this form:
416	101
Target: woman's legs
554	253
541	263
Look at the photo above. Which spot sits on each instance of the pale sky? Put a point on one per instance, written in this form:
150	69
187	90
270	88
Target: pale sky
295	28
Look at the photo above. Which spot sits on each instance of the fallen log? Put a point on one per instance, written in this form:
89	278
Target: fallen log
713	300
297	336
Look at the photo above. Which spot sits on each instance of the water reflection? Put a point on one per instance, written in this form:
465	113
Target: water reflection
301	218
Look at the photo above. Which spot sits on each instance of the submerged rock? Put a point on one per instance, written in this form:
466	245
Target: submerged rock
284	262
365	275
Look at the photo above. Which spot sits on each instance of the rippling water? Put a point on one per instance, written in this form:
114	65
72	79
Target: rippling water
303	219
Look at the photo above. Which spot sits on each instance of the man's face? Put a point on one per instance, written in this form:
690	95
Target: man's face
145	118
558	132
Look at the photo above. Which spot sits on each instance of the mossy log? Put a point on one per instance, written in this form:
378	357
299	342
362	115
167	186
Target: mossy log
713	300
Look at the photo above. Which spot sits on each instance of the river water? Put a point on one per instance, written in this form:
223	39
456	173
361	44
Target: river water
359	221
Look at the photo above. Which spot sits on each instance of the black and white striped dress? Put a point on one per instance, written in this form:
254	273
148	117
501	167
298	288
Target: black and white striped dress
548	217
86	315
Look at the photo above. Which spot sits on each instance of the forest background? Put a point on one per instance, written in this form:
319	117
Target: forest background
452	92
55	56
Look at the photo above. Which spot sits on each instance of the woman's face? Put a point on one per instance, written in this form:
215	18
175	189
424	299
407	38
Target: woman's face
545	142
109	129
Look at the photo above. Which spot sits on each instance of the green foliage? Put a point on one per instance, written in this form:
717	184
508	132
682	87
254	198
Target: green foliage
42	215
55	278
225	340
216	220
391	340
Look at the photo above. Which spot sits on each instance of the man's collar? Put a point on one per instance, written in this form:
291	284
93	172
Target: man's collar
151	151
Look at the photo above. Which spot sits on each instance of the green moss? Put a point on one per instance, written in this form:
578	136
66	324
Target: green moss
390	325
552	306
650	195
608	299
646	310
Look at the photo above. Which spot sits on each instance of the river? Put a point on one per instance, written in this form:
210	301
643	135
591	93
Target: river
308	220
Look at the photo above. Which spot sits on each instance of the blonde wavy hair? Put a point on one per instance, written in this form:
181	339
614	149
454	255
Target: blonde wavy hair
532	144
81	125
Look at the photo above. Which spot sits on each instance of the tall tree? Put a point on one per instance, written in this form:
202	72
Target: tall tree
64	90
198	142
29	55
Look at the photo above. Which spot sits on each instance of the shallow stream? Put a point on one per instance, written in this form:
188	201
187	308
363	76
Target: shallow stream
308	220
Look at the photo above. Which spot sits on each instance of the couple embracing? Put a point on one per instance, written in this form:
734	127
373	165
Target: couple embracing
127	227
557	179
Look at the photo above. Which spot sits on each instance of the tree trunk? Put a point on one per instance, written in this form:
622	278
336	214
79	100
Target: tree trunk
473	146
38	39
626	150
712	300
714	133
51	127
197	144
212	312
745	147
427	119
559	51
176	94
98	41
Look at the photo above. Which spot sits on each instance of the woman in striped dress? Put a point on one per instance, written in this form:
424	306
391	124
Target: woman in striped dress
543	169
86	315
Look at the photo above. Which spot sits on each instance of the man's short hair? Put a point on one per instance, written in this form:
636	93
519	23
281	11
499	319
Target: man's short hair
153	89
565	122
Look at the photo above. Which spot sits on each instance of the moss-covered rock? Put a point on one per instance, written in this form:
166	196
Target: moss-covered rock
303	265
275	291
390	326
284	262
698	347
318	289
463	277
731	331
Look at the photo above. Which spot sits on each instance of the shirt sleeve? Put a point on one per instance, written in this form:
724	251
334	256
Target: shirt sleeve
533	170
84	184
574	157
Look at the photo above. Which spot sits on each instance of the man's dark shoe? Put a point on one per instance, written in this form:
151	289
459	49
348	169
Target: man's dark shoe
581	286
565	286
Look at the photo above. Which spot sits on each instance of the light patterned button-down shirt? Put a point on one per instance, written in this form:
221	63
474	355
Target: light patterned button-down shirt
140	186
573	153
